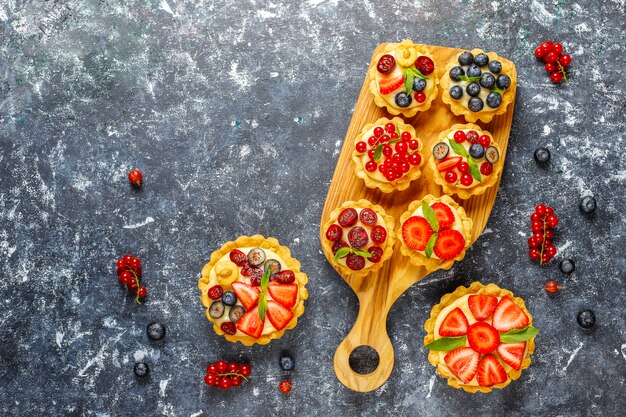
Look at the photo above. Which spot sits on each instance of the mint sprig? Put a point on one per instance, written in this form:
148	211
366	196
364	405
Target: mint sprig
343	252
519	335
470	79
378	151
431	245
474	170
447	343
409	75
430	216
265	280
460	150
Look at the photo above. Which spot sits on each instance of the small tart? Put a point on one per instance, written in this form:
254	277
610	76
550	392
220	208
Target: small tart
460	106
382	220
461	225
375	178
459	299
480	181
406	56
220	270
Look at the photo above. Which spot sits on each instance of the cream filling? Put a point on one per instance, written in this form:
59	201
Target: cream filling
379	222
377	175
391	97
466	144
457	225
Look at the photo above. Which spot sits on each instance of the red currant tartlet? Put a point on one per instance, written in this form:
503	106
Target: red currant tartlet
480	337
465	161
403	78
387	155
358	237
253	290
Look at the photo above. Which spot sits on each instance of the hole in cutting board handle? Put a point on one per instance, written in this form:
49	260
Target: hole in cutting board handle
364	359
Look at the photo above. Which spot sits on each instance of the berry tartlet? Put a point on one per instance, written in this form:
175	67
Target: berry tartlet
387	155
403	78
465	161
253	290
480	337
478	85
435	232
358	237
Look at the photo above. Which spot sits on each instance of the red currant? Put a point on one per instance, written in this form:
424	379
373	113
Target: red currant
463	167
229	328
466	179
244	369
235	380
126	276
233	367
120	264
127	258
371	153
387	151
210	379
406	167
551	57
540	209
225	383
551	67
405	136
540	52
142	292
371	166
401	147
549	211
547	46
451	177
557	48
371	140
534	254
285	386
472	136
135	263
552	221
551	251
135	176
552	287
556	77
390	128
413	144
486	168
415	159
532	243
132	284
536	227
565	60
385	138
361	147
221	366
485	141
420	97
459	136
394	135
238	257
211	369
545	258
378	131
549	234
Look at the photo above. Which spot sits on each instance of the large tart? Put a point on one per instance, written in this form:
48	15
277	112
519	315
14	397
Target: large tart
403	78
387	155
480	337
478	85
253	290
465	161
358	238
435	232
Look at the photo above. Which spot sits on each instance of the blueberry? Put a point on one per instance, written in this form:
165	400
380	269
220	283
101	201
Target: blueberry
586	319
229	298
456	72
216	309
473	89
503	81
477	151
141	369
487	80
475	104
542	155
403	99
567	266
256	256
156	331
419	84
587	204
481	60
273	265
494	100
456	92
466	58
286	362
495	66
236	313
474	71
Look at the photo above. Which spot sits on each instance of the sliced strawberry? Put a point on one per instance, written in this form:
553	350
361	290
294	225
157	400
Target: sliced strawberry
482	337
512	354
251	323
490	372
449	163
444	215
389	84
482	306
286	294
463	362
508	316
415	232
247	294
449	244
455	324
278	315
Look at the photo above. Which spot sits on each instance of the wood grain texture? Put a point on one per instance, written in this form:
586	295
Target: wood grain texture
379	290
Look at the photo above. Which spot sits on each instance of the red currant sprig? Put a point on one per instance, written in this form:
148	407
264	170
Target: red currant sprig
225	375
555	60
543	220
129	272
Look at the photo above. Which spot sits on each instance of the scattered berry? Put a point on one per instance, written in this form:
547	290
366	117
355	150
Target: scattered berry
135	177
285	386
552	287
286	362
587	204
586	319
156	331
141	369
542	155
567	266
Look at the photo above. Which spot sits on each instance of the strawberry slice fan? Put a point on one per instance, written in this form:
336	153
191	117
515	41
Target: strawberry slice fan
378	290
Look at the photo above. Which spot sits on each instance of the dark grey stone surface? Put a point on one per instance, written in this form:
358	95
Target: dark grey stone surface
235	112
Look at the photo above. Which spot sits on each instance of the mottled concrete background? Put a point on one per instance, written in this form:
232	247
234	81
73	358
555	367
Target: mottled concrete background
236	111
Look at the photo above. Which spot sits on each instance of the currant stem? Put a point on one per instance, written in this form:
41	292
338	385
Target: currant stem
233	373
138	285
543	241
562	69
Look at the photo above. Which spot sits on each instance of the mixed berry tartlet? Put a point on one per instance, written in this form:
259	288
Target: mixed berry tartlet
478	85
253	290
480	337
358	237
387	155
403	78
435	232
465	161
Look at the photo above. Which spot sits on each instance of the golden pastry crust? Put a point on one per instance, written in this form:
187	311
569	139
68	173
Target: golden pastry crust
265	243
419	259
487	113
399	184
475	288
480	187
380	101
327	245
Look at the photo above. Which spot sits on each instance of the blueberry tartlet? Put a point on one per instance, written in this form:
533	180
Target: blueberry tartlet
358	237
479	85
403	78
465	160
480	337
253	290
387	155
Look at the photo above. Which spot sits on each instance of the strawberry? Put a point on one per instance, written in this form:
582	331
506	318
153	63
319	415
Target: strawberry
251	323
286	294
389	84
444	215
508	316
490	372
482	337
278	315
512	354
482	306
415	232
463	362
247	294
455	324
449	163
449	244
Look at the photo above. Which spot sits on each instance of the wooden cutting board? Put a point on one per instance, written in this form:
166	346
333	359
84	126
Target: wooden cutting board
379	290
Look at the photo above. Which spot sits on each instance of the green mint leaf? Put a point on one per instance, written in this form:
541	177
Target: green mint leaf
470	79
430	245
474	170
378	152
430	216
408	81
497	90
265	279
362	253
262	305
417	73
446	344
342	253
458	148
519	335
